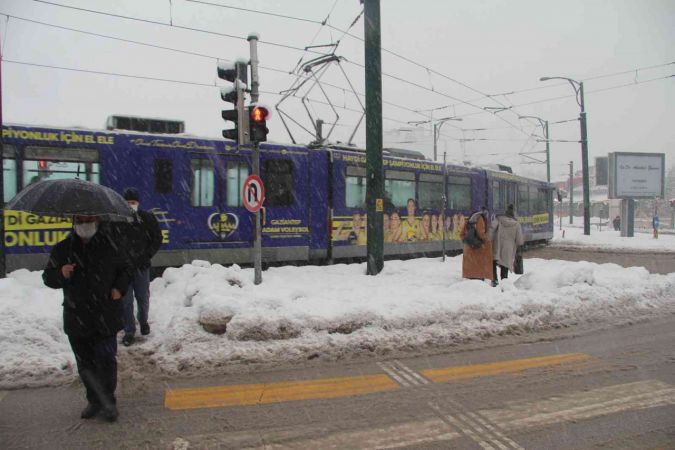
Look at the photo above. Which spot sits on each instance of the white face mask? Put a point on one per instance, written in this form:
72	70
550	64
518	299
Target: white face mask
134	206
86	230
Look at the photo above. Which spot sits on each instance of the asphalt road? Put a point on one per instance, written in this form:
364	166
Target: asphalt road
598	386
612	388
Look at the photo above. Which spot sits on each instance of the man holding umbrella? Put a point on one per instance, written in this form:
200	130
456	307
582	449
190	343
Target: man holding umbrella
94	277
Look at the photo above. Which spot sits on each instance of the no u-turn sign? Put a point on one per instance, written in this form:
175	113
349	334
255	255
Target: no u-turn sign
253	193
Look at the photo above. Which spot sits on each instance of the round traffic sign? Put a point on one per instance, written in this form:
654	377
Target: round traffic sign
253	193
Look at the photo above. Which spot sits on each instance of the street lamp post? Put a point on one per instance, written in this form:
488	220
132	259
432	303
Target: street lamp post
437	130
579	89
544	126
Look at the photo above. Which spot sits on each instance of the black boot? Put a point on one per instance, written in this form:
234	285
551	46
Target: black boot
110	413
128	339
145	329
90	410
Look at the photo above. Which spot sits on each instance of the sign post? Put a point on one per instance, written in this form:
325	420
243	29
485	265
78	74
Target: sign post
253	196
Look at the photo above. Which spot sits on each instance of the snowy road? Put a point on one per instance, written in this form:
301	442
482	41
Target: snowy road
602	388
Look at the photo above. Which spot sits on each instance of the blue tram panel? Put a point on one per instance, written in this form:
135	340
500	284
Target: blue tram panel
314	207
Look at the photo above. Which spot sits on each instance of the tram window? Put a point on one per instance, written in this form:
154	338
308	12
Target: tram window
459	192
163	176
278	182
431	191
355	187
203	182
400	186
546	198
541	203
498	196
9	172
34	171
523	198
510	193
236	175
55	163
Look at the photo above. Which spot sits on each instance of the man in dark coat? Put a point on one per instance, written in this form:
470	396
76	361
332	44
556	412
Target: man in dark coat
140	241
94	277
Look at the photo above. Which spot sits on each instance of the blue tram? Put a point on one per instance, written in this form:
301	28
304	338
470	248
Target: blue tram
314	205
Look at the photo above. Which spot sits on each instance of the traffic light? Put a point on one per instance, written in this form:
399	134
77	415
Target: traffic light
235	74
258	123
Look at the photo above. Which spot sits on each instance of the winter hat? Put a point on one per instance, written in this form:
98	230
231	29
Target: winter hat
509	210
131	193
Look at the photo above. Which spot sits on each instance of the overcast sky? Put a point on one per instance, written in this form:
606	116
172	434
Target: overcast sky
462	59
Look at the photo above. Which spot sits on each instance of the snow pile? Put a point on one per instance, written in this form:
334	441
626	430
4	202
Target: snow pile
330	312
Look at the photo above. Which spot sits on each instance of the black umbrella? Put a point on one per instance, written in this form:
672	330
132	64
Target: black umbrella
72	197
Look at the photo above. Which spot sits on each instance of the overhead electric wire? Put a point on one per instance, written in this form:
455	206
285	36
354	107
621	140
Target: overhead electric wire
553	85
262	42
166	80
100	72
357	64
186	52
266	13
154	22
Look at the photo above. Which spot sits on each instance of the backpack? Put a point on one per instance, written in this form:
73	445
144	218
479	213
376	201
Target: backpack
471	237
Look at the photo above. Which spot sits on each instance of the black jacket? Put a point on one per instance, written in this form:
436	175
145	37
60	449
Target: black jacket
139	240
88	308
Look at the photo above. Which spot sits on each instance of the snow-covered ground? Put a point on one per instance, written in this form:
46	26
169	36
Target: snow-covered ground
331	312
609	239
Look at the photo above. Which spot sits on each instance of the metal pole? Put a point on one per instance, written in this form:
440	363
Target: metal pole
548	153
445	200
253	46
374	170
257	244
3	265
584	164
571	192
435	140
257	239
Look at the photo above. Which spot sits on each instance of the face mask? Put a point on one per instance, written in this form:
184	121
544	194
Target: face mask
86	230
134	206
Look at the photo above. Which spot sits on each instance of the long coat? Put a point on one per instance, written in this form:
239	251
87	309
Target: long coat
88	308
139	240
507	236
477	263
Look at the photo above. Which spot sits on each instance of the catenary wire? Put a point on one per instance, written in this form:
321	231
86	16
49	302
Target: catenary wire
186	52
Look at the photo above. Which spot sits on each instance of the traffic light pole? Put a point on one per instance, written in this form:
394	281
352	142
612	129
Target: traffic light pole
257	239
257	244
374	170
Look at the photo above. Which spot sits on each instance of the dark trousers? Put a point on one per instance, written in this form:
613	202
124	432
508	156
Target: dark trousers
139	288
504	271
97	365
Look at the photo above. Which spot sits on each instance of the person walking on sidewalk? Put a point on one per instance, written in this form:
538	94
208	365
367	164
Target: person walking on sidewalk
141	240
94	277
507	236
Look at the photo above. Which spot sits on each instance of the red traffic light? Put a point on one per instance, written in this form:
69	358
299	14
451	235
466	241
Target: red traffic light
259	114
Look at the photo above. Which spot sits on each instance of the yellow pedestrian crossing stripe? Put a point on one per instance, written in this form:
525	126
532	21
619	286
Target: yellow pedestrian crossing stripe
500	368
253	394
285	391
